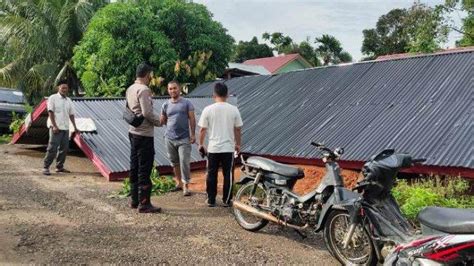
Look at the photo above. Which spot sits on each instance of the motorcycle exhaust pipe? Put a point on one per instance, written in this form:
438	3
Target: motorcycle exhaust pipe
246	208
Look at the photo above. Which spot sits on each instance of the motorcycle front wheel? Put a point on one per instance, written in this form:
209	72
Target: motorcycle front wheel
260	198
360	250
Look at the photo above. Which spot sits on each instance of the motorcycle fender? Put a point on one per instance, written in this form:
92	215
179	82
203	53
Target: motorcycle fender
334	203
330	204
245	179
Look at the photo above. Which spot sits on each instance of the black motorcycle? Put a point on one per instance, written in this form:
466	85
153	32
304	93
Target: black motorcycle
376	217
266	194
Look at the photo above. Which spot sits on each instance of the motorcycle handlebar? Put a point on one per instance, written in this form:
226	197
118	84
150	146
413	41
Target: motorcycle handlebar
316	144
321	146
365	183
419	160
324	148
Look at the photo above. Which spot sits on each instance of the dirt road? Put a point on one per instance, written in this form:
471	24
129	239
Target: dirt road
68	218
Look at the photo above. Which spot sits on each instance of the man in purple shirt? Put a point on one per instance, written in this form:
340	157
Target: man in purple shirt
178	116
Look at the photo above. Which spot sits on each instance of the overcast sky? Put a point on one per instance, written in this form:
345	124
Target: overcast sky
345	19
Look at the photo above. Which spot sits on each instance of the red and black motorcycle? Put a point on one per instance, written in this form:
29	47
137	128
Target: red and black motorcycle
451	249
446	236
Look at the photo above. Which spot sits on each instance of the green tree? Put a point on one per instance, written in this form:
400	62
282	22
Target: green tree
345	57
388	37
426	29
417	29
179	39
37	42
467	28
250	50
191	29
330	50
308	52
282	44
119	37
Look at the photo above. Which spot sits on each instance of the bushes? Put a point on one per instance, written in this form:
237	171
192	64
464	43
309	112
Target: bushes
4	139
19	119
449	192
160	185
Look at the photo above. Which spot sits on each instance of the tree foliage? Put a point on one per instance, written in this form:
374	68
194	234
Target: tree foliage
417	29
179	39
308	52
119	37
282	44
330	50
250	50
37	41
388	36
467	28
425	28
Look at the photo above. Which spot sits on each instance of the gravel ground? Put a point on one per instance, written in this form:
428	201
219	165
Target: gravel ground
68	218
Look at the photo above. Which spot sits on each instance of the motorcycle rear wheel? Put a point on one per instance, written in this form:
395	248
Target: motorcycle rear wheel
246	220
359	252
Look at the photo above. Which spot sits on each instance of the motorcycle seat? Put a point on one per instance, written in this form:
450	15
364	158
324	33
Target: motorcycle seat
272	166
448	220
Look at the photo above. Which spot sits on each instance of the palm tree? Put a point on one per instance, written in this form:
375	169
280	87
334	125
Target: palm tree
330	50
38	37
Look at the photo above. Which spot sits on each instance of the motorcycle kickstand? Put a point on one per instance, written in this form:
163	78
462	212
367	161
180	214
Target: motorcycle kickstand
303	236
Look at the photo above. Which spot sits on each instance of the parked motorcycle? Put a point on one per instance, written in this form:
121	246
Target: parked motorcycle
266	194
376	217
435	250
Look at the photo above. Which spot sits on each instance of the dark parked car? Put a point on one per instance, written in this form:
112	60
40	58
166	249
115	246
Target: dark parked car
10	101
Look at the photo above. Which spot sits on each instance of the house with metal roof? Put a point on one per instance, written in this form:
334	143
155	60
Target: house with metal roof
280	63
234	70
422	105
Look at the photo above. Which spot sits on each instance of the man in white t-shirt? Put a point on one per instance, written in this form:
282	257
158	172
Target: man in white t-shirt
60	111
222	123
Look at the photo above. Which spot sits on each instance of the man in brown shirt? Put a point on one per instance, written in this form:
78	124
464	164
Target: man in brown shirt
142	152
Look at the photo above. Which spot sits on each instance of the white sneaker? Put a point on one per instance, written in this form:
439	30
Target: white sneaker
186	191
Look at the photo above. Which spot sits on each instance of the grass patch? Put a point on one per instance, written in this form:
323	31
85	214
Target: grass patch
452	192
235	188
5	139
160	185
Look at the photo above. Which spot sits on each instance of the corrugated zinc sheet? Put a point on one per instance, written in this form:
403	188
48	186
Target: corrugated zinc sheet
420	105
110	142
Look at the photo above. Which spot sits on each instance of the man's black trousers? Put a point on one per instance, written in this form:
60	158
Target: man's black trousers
142	153
214	160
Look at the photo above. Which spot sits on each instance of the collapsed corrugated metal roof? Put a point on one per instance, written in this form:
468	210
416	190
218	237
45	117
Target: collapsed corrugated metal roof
421	105
109	146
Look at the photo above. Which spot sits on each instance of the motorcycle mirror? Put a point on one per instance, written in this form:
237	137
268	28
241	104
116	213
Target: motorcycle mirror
339	151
